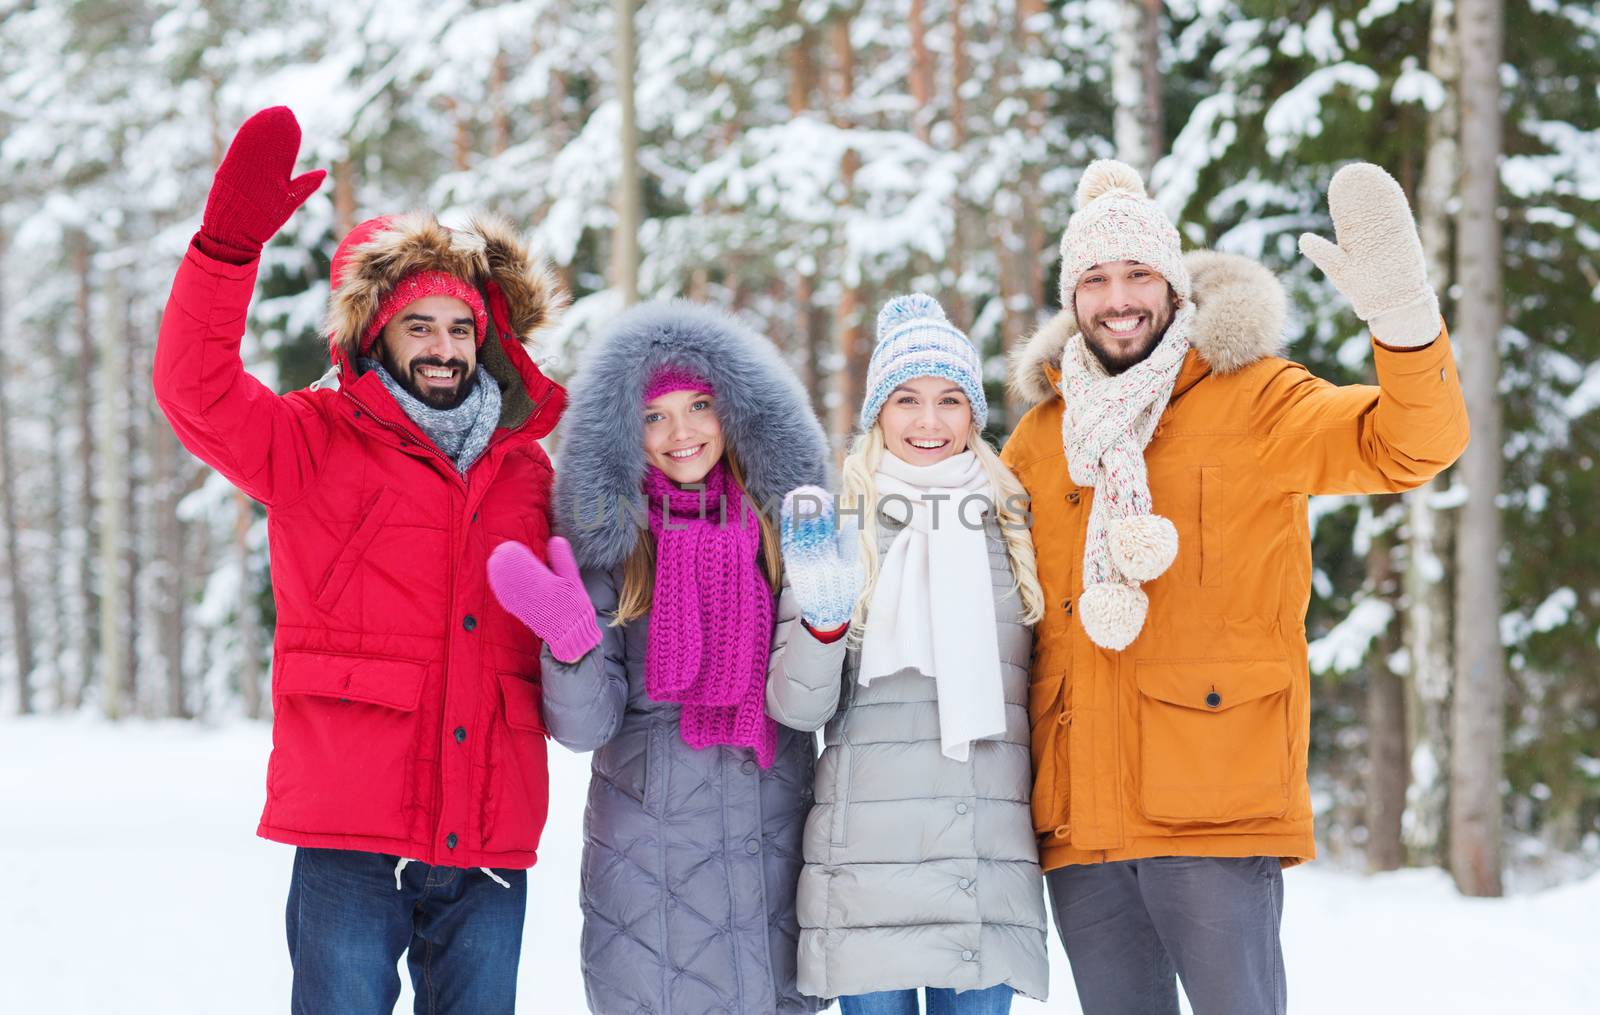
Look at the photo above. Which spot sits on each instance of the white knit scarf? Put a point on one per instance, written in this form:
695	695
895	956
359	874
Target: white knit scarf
1107	423
933	607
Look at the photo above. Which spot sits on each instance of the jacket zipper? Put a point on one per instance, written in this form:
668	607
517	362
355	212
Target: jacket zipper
438	739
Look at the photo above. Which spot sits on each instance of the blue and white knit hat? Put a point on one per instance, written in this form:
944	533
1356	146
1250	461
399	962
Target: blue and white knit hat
915	339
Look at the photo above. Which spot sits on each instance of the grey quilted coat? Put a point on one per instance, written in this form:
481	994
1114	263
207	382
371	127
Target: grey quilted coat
690	857
920	871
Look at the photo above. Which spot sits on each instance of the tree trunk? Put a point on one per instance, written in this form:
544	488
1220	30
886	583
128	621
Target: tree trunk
812	323
1034	244
1386	725
113	369
166	569
625	242
1020	242
500	135
21	628
921	83
135	379
60	595
87	621
344	197
249	622
1427	592
1479	720
955	262
463	135
1136	84
854	346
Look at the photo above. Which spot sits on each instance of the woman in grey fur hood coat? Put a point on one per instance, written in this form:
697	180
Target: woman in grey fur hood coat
691	855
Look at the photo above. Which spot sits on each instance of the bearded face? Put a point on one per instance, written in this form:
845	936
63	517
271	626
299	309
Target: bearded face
431	348
1123	310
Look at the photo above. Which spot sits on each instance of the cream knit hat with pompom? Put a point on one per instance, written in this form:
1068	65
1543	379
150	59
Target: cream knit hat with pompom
1117	221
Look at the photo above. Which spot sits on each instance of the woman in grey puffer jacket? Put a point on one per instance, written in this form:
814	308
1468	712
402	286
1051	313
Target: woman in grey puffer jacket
697	802
921	865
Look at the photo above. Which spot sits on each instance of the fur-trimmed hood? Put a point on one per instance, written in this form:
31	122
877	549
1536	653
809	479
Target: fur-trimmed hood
765	416
520	292
1240	312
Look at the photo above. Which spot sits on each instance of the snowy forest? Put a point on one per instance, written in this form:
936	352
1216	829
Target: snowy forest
800	161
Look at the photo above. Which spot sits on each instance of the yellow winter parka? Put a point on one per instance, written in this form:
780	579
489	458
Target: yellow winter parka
1192	741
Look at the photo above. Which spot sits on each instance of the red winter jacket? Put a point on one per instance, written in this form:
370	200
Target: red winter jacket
406	700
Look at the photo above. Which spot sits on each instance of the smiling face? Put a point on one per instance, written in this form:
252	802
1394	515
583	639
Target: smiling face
926	420
1123	309
682	435
431	348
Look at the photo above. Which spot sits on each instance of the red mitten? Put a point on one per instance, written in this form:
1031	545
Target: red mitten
252	195
551	601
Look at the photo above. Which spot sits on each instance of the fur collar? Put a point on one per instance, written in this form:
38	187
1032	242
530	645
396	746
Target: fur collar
1240	312
765	416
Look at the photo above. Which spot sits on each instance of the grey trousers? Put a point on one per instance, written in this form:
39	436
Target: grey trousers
1132	929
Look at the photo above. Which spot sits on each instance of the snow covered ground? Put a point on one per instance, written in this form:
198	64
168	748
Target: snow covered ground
137	886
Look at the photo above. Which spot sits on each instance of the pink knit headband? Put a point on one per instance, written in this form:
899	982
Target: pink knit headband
669	379
420	285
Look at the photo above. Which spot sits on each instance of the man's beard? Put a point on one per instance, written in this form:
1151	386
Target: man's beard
407	376
1117	362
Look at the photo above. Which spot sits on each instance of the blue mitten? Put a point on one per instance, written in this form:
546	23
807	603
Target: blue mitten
825	583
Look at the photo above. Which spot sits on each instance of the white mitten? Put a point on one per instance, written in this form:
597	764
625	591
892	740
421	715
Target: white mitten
1377	262
825	583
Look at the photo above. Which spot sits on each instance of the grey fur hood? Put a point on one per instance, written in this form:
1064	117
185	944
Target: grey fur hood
1240	312
765	416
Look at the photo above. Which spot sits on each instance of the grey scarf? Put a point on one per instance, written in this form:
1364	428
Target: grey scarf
461	433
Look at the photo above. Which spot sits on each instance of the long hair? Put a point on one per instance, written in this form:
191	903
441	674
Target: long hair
859	496
639	572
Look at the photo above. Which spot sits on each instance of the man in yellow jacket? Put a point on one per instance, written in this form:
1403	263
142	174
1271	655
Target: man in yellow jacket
1169	454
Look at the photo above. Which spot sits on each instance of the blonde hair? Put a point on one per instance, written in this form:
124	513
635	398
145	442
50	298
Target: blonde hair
639	571
859	496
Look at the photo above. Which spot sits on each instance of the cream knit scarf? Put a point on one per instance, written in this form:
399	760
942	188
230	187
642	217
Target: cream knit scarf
1107	423
933	608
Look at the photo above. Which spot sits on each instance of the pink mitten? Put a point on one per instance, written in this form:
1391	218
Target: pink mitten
550	600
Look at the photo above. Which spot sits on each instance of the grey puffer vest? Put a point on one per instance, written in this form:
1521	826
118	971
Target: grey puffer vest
690	857
920	871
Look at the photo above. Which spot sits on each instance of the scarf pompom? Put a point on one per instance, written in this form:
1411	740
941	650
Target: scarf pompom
1113	613
1143	546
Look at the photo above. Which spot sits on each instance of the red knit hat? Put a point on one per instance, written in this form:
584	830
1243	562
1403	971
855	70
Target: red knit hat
418	287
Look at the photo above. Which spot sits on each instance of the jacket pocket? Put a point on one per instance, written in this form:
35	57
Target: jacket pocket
344	734
839	817
518	785
655	768
1211	522
355	548
1213	740
1049	719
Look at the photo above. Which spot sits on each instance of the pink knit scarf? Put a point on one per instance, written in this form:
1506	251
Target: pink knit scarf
710	614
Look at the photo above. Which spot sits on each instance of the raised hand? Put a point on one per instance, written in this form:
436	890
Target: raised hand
253	195
825	584
551	601
1377	260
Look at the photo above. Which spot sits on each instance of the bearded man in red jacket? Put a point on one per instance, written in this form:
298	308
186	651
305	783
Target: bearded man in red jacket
408	760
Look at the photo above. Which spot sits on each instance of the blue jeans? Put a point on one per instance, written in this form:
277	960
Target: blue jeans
1134	928
348	925
941	1001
